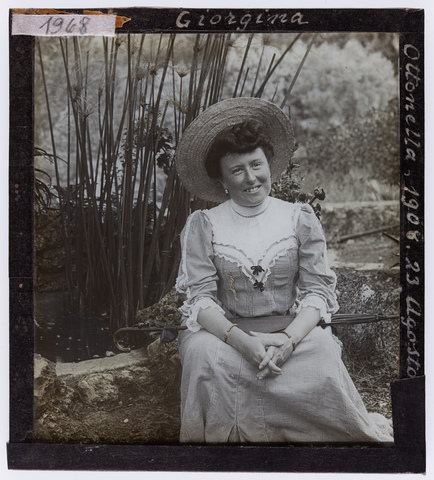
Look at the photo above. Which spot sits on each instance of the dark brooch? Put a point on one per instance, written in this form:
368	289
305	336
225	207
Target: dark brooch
259	285
257	269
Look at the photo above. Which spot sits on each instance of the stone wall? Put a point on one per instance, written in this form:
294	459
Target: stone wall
339	219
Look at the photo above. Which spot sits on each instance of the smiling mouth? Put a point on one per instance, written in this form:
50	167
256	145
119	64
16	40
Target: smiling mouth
252	189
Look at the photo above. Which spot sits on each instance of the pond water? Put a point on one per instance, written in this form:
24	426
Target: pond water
61	336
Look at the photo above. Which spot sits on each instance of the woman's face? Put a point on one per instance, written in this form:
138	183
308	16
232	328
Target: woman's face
246	176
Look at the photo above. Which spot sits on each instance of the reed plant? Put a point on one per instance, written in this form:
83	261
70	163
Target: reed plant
127	101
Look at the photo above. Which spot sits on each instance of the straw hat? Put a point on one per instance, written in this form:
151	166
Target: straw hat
200	134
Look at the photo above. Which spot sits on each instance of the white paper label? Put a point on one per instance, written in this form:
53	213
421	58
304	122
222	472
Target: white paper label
63	25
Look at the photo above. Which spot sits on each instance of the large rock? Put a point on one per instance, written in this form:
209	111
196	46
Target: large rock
128	398
52	400
44	378
49	390
99	388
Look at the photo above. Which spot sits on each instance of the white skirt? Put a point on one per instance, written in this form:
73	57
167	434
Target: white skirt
314	400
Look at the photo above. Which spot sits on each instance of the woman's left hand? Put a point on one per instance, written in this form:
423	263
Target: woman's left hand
306	319
274	355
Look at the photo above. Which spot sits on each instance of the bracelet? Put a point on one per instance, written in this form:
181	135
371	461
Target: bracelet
225	339
287	334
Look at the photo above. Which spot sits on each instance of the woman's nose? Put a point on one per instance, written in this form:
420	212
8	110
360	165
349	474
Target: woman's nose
250	176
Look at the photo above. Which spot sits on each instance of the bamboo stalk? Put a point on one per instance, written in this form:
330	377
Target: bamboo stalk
246	52
272	70
192	86
288	93
257	71
66	238
244	82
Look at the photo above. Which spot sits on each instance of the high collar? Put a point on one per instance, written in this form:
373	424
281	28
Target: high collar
250	211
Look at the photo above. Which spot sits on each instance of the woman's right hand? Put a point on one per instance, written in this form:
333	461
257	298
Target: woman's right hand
254	348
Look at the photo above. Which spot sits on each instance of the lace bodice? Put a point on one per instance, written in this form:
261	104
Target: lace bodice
254	261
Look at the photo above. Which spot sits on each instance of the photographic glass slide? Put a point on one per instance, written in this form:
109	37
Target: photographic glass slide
217	231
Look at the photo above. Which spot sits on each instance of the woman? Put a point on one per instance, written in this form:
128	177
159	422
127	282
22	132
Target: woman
256	256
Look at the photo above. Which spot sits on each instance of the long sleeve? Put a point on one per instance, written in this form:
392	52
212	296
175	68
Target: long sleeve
316	281
197	276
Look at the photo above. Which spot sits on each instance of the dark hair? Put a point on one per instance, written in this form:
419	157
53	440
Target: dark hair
243	137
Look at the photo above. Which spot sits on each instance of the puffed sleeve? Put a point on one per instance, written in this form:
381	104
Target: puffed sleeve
197	275
316	280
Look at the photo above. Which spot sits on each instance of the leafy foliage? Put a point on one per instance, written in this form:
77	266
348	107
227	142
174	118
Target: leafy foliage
362	156
288	188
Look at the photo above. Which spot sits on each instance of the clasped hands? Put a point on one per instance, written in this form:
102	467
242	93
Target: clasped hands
268	351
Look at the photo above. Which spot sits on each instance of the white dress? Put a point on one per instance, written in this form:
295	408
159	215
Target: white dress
262	261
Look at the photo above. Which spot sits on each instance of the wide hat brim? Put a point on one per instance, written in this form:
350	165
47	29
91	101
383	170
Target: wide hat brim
199	136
